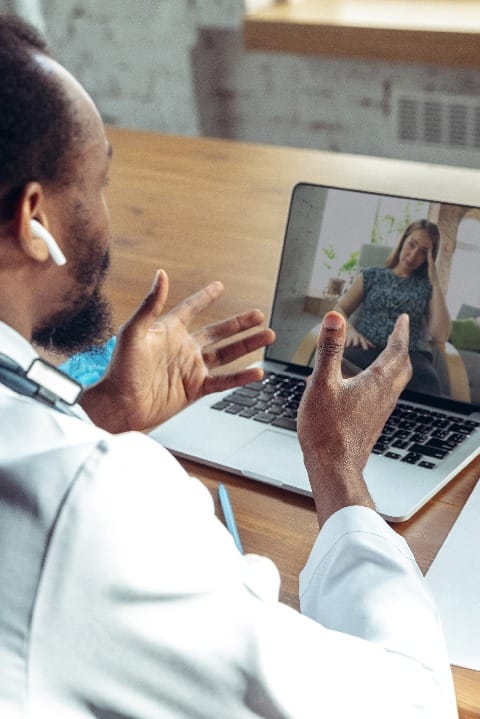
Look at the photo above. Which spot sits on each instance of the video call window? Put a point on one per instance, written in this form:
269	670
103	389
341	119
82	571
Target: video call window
336	236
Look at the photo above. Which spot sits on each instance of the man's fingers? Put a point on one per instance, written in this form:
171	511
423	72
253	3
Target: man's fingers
395	357
330	346
229	327
193	305
234	350
222	382
399	339
152	306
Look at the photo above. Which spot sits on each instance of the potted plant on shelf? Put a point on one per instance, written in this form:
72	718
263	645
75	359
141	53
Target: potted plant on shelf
336	283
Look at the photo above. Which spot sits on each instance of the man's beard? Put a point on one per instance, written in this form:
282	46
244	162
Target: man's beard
86	321
70	332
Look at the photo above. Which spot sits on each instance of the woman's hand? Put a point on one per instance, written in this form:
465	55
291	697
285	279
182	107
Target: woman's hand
355	339
439	324
432	269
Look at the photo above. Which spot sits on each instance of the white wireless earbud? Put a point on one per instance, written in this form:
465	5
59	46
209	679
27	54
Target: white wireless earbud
55	252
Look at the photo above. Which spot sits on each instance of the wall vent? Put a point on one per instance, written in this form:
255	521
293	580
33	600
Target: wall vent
434	120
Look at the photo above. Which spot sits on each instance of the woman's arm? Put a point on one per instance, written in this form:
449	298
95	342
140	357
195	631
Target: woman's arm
439	325
347	304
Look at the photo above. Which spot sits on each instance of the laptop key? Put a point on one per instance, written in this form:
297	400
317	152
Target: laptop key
259	386
456	437
419	437
411	458
285	422
248	413
389	429
406	426
400	434
441	443
261	406
464	429
392	455
263	417
276	411
240	399
428	451
440	433
233	409
400	444
245	391
267	394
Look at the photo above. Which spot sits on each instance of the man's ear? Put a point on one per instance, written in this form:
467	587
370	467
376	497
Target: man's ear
30	206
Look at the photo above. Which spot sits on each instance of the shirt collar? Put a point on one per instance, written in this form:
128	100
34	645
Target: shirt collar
17	348
13	345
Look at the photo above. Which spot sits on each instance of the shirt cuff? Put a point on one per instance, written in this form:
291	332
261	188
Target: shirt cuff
350	520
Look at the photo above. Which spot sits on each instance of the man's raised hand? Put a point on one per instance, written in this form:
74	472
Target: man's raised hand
159	366
340	419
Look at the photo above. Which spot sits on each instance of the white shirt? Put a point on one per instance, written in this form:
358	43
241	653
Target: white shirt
122	595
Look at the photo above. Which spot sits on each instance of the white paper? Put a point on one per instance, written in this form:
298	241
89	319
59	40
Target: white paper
454	579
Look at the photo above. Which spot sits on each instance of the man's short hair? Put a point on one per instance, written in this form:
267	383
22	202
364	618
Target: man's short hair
37	125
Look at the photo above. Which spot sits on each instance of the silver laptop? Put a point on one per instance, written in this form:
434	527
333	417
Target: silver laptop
331	235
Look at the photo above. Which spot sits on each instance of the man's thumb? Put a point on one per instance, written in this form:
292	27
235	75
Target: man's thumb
330	346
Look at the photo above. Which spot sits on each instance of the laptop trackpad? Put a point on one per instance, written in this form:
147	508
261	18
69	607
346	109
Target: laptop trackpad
274	457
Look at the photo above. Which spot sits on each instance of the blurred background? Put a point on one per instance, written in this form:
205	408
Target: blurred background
179	66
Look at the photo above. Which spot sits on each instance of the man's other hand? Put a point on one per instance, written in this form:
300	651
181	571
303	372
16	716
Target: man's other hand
159	366
340	419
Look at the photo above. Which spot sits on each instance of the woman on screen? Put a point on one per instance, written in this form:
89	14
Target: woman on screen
408	283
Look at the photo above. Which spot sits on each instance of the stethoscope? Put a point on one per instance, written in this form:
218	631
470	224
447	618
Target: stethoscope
43	382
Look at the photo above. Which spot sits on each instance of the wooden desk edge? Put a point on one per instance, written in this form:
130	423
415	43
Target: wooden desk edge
466	683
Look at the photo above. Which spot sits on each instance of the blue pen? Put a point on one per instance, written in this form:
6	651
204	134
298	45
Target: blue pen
229	516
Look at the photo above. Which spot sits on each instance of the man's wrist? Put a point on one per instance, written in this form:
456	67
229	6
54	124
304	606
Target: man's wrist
335	485
96	402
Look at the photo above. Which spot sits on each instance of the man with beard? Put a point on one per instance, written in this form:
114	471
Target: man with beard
121	595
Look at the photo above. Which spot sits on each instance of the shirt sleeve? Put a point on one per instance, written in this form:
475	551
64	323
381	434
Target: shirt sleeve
362	579
146	609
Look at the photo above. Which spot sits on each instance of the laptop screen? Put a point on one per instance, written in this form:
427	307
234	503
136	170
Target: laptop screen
368	254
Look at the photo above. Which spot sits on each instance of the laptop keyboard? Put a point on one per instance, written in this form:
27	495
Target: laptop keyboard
412	434
273	401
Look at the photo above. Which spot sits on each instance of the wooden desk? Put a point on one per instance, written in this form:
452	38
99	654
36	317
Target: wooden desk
206	209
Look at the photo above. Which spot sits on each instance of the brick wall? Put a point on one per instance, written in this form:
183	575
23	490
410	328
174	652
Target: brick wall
179	66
